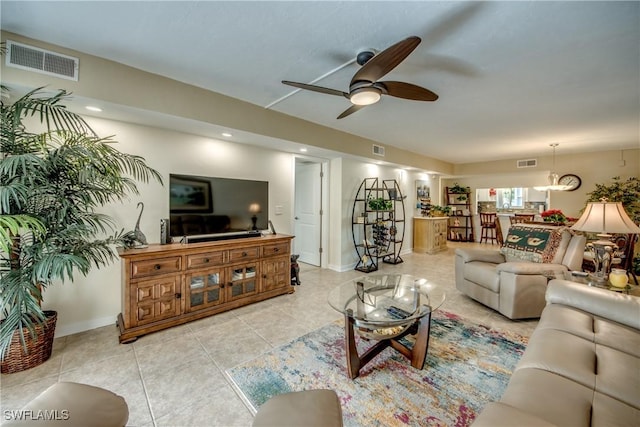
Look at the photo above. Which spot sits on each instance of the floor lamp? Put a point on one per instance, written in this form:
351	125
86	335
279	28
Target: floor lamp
604	218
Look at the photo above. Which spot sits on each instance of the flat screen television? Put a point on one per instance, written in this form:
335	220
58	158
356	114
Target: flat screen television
209	208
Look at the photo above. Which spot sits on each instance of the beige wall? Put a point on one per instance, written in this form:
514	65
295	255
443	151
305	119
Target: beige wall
592	168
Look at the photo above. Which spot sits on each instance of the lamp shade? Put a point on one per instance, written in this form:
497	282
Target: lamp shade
254	208
606	217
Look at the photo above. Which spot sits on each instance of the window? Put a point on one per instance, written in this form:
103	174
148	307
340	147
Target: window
510	198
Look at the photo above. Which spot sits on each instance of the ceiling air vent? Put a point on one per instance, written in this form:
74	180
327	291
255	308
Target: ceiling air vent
378	150
529	163
41	61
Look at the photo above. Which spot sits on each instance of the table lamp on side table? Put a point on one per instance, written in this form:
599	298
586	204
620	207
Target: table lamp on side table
604	218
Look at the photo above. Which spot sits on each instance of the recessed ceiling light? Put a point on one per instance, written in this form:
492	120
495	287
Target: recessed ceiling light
303	150
92	108
227	134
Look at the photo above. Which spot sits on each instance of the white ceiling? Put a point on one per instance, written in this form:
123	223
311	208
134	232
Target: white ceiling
512	77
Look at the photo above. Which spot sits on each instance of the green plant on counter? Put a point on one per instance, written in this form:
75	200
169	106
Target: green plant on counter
437	210
380	204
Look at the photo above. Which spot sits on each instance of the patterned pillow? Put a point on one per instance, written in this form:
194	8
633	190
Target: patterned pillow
527	242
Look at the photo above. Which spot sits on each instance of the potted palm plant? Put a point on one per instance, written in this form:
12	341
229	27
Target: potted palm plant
52	182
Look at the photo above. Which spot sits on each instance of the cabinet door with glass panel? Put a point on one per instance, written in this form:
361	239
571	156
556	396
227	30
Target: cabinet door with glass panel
205	289
242	281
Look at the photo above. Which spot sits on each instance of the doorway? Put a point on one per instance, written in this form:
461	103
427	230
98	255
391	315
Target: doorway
308	211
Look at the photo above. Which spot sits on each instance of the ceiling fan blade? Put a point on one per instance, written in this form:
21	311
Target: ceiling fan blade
407	91
386	60
316	88
350	111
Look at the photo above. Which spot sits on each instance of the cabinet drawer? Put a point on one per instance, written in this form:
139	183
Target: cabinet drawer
155	266
205	260
244	254
275	249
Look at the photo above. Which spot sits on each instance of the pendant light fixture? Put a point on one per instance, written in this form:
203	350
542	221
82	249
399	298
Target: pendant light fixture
553	176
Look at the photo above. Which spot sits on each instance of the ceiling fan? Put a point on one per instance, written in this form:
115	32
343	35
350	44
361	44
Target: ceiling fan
365	89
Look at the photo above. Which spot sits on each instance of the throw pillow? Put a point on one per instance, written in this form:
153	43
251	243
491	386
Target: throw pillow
533	243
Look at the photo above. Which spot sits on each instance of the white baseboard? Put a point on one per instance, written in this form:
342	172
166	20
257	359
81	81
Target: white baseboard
74	328
341	268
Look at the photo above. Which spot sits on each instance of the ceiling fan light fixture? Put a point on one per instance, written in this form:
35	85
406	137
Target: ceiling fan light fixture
365	96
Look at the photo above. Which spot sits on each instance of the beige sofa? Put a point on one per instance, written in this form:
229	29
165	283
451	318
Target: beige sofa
581	366
513	279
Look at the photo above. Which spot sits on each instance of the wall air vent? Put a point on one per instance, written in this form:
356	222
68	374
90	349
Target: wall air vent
41	61
529	163
378	150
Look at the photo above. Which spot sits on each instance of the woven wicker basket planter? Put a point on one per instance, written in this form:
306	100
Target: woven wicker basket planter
38	349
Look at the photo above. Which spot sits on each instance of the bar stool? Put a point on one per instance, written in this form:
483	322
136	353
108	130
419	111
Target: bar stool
488	227
520	218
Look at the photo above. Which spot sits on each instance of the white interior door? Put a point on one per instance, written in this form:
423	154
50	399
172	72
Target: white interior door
307	212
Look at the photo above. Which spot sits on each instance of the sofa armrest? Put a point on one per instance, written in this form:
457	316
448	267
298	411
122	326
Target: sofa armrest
484	255
500	414
532	268
621	308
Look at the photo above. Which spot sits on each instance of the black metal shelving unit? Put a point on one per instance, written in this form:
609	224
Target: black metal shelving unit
378	233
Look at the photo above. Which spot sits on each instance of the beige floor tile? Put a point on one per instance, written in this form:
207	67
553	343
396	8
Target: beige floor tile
49	368
171	390
169	354
222	409
15	397
119	374
92	346
228	347
162	336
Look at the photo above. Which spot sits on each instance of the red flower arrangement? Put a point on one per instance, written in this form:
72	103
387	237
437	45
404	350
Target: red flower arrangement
556	215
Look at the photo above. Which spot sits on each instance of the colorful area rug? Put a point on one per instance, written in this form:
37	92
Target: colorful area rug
467	366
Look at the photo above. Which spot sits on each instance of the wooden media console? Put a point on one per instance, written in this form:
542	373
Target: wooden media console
168	285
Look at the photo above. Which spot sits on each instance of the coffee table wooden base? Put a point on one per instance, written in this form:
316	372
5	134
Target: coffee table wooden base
417	355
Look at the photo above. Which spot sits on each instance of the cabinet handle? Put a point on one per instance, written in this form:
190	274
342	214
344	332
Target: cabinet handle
178	295
157	267
276	250
206	260
244	254
221	285
264	276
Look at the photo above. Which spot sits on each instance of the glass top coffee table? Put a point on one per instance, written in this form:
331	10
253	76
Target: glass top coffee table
385	308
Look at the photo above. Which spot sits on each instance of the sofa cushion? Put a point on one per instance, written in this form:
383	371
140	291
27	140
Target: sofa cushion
483	274
615	306
549	396
536	243
585	325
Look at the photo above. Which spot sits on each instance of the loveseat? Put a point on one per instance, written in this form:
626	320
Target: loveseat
581	366
513	279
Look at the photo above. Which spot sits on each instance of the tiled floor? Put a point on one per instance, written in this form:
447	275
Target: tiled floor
176	377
